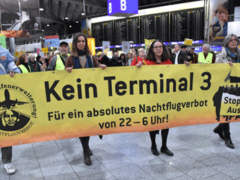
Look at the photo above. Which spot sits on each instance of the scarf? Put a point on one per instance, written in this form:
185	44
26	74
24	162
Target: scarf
81	53
235	56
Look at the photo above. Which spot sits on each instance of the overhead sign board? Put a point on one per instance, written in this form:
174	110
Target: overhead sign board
122	7
52	41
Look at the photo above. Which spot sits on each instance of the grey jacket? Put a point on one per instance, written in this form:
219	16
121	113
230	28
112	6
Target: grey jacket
224	58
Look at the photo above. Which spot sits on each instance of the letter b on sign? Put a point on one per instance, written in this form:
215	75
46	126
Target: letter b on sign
122	7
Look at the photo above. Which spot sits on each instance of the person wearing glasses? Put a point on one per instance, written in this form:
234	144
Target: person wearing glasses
230	54
158	54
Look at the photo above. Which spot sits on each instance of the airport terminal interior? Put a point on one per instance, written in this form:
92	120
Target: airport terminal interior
82	97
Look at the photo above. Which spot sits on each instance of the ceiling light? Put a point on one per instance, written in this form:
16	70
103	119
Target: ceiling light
66	18
41	9
70	26
76	21
48	25
83	13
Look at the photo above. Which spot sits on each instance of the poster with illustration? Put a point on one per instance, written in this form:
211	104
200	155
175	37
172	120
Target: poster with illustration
219	17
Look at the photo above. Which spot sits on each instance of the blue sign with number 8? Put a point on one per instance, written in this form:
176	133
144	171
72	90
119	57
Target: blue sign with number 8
122	7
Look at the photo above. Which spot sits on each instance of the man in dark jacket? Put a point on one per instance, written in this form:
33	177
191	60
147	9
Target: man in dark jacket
102	58
34	64
115	61
193	56
179	55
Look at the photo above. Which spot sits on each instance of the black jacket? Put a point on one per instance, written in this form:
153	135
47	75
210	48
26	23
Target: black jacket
181	57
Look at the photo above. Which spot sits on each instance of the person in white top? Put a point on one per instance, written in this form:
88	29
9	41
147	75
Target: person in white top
180	56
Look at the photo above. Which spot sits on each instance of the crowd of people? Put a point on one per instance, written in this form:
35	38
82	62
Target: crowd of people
177	55
80	57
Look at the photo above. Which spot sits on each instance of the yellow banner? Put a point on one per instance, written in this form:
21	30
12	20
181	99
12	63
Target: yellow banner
229	96
230	104
55	105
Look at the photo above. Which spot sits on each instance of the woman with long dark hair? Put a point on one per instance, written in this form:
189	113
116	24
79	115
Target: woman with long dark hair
81	58
123	60
158	55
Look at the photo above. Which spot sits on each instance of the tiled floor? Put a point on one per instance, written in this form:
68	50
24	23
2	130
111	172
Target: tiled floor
199	154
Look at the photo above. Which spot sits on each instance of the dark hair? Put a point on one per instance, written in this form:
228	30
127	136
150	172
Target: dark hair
74	44
122	55
183	46
151	55
38	58
226	5
124	60
21	59
63	43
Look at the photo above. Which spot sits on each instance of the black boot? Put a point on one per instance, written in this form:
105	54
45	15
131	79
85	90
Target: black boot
86	150
87	159
164	148
153	141
154	151
227	135
229	143
218	130
90	152
166	151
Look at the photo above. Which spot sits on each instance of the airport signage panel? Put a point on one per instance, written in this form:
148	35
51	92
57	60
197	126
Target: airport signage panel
122	7
52	41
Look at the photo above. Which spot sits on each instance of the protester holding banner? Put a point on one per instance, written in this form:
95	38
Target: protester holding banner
23	65
59	60
141	56
230	54
102	58
115	61
158	55
7	65
81	58
206	57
